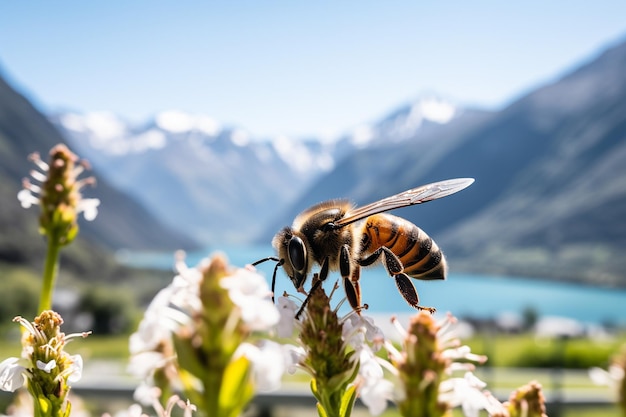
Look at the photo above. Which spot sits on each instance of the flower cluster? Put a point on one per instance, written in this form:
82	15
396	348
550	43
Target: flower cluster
341	356
332	366
60	198
421	377
45	366
330	348
194	338
59	194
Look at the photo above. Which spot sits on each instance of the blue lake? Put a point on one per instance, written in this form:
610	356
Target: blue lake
463	295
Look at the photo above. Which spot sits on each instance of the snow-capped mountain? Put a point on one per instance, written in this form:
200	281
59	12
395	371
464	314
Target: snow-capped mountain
219	183
409	122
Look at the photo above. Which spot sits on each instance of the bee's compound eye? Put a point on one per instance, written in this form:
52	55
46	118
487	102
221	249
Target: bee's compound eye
297	255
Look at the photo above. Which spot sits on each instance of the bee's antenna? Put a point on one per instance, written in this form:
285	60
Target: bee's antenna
269	258
279	262
314	287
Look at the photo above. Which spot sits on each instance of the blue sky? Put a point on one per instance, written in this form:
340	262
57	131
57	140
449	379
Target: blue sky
288	67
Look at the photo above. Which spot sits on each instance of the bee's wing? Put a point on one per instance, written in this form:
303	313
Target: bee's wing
417	195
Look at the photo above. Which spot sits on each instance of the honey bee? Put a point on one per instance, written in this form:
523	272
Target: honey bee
338	236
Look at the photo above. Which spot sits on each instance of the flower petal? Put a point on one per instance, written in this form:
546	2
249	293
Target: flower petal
89	208
12	375
287	321
77	368
46	367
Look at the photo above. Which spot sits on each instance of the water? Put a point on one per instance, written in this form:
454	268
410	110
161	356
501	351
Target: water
464	295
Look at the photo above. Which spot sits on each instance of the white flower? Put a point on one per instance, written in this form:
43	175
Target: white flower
468	393
184	291
47	367
462	353
76	369
370	368
12	375
611	378
358	328
26	198
158	322
294	356
287	310
267	364
376	395
250	292
375	390
31	193
87	206
146	394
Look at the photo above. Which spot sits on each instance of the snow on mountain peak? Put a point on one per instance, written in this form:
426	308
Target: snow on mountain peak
435	109
301	157
175	121
362	135
240	137
101	124
407	121
432	109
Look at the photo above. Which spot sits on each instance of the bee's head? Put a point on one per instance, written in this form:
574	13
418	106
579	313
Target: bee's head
293	250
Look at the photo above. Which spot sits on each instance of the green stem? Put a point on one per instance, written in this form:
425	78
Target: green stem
50	272
331	402
212	388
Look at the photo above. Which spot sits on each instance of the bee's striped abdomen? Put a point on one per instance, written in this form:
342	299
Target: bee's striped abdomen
419	254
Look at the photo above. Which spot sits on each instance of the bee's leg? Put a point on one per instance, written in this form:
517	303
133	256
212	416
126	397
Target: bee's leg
350	278
392	263
408	291
278	264
320	279
394	267
353	289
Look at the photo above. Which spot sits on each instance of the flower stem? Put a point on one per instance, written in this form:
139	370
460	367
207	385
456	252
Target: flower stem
213	386
50	272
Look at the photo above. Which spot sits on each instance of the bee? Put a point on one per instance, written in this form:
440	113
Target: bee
338	236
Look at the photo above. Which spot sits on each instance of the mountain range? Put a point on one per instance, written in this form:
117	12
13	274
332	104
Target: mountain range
220	184
549	198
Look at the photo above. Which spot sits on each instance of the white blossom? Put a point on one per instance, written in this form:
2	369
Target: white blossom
375	390
375	395
76	369
250	292
287	310
47	367
12	375
359	328
611	378
267	362
146	394
468	393
26	198
89	208
293	356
